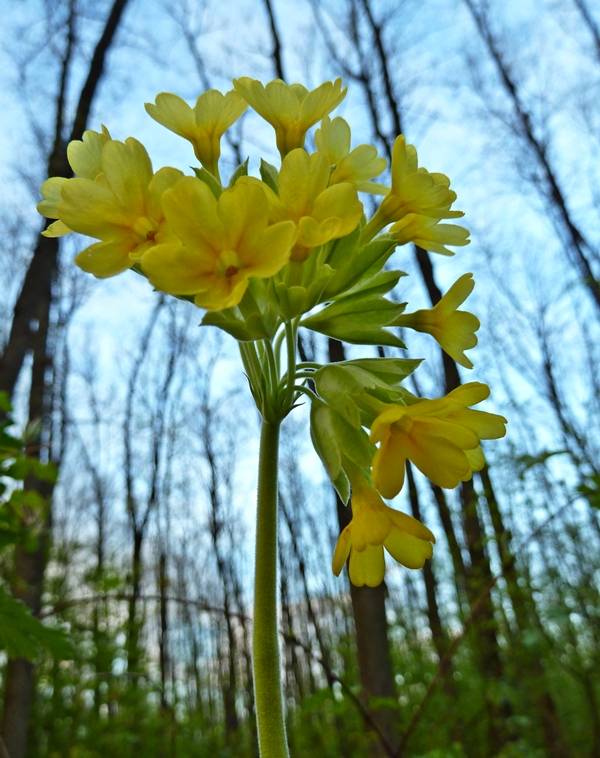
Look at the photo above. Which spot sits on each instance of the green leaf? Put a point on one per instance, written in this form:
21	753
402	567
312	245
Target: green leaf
269	175
354	264
378	284
208	179
241	170
389	370
324	440
358	319
24	636
335	440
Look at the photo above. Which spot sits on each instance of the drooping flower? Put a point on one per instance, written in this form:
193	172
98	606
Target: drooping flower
356	166
218	244
203	125
376	526
416	202
291	109
441	437
114	197
453	329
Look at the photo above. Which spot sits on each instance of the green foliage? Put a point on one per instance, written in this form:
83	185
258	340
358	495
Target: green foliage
21	634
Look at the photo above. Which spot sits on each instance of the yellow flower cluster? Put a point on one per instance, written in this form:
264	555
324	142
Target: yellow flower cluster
205	240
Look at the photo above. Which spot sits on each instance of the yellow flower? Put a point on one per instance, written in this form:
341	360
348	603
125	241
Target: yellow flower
220	243
85	159
415	191
441	437
114	197
429	234
321	213
358	166
453	329
374	526
291	109
203	125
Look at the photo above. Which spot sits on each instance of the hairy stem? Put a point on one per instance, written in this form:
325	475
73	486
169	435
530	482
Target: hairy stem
265	643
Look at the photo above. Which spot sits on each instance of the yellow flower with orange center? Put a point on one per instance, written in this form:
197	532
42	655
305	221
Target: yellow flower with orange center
217	245
441	437
114	197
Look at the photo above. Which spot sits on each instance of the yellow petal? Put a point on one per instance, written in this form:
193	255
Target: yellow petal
460	435
408	550
90	208
180	270
341	202
333	139
85	155
217	112
440	460
163	179
457	294
341	552
223	292
174	113
389	465
105	259
410	525
301	179
470	393
272	250
51	191
488	426
244	211
321	101
128	171
367	566
56	229
191	211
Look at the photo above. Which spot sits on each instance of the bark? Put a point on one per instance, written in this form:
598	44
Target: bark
438	632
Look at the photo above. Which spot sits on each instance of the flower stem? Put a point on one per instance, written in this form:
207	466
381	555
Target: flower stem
268	694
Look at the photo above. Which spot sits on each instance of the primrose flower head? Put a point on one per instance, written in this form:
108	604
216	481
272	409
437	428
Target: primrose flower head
376	526
441	437
291	109
453	329
114	197
217	245
203	125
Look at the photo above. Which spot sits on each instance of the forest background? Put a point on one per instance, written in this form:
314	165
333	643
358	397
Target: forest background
132	538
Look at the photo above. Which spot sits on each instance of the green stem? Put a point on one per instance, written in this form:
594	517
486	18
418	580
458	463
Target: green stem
268	694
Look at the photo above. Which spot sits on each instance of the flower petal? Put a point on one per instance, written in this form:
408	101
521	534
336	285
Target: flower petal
408	550
105	259
367	566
